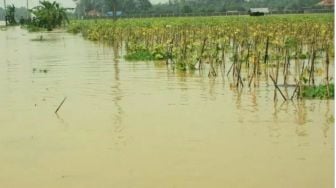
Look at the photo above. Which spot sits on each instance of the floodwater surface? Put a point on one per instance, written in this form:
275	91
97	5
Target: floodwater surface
141	125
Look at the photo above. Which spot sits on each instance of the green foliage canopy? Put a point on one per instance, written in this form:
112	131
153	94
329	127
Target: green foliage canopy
49	15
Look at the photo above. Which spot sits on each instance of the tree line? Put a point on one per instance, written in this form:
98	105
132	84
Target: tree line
101	7
129	7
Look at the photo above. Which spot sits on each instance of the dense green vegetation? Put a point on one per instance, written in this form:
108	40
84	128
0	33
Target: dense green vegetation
49	15
320	92
144	55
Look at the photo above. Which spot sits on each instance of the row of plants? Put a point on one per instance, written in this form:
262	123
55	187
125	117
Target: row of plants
243	45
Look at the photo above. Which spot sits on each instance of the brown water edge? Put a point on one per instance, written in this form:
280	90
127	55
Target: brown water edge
139	125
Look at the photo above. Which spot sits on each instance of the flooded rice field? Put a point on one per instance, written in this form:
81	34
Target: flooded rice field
141	125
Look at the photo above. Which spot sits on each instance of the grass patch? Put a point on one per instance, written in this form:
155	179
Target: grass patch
139	56
318	92
144	55
75	29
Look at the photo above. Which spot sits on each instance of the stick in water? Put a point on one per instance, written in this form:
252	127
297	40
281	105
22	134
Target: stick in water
277	87
59	107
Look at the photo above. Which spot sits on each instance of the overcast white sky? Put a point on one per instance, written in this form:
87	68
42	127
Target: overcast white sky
66	3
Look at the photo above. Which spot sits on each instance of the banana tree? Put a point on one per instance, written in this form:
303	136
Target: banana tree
49	15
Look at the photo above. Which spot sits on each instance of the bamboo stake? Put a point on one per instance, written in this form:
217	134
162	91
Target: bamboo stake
277	77
266	51
223	57
312	69
327	67
296	90
59	107
277	87
202	51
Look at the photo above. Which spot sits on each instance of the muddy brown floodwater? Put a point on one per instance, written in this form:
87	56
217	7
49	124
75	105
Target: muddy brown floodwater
139	125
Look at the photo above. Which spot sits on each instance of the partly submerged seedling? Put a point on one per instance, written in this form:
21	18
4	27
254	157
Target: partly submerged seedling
318	92
144	55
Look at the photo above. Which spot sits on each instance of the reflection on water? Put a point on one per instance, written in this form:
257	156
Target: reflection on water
142	125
